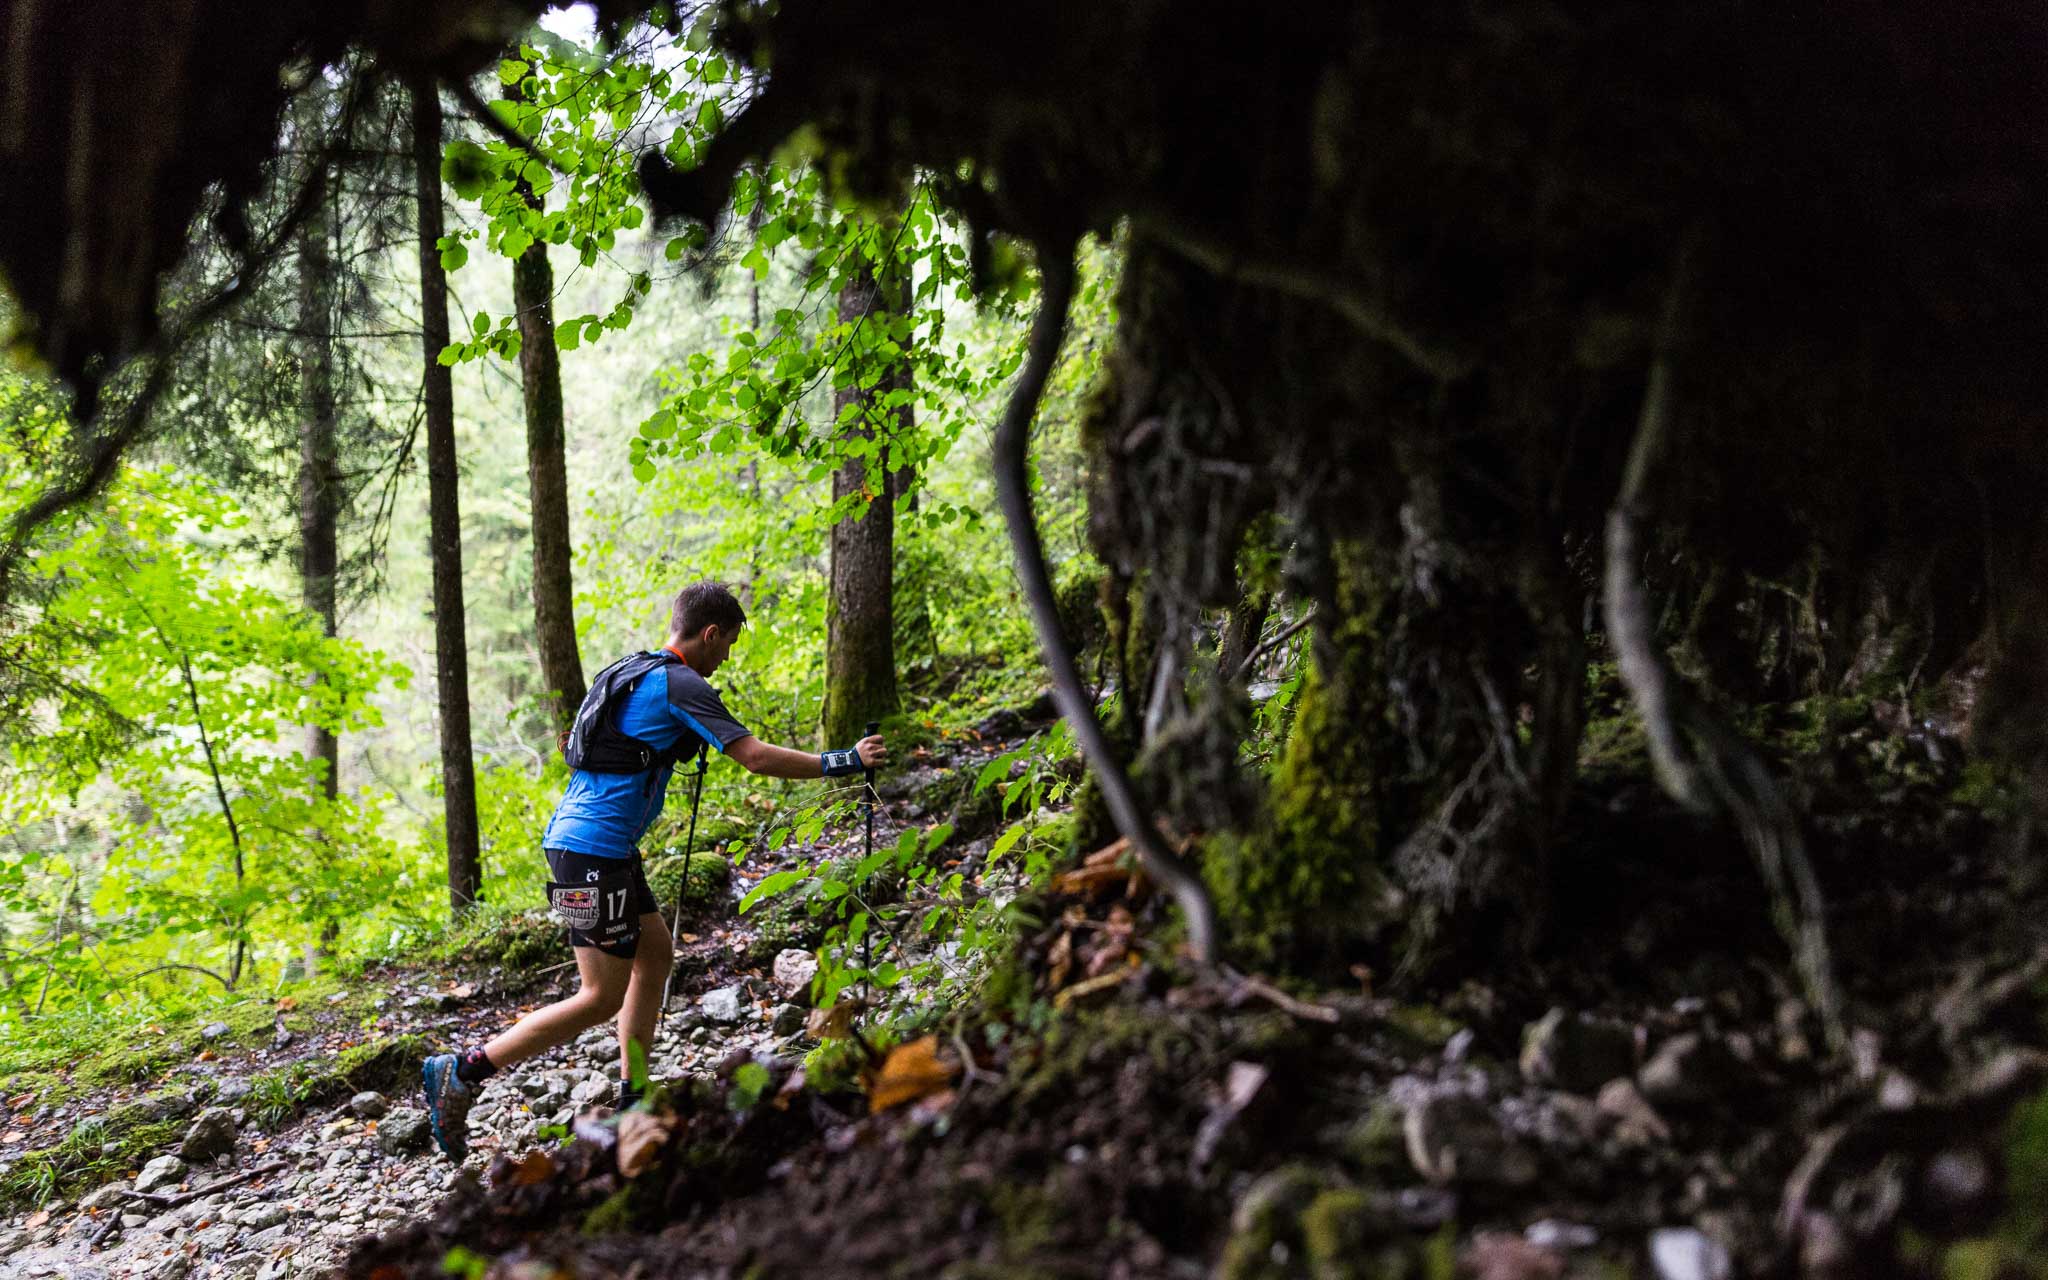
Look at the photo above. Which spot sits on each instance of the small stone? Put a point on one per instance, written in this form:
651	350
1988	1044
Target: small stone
231	1090
700	1035
1689	1069
787	1019
110	1196
1556	1233
1636	1122
214	1030
1455	1138
263	1217
1572	1051
590	1090
164	1171
403	1130
337	1128
1958	1180
723	1005
133	1220
212	1134
1280	1194
794	970
369	1105
1685	1253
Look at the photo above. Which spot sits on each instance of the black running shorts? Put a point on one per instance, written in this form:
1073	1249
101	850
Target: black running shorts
599	900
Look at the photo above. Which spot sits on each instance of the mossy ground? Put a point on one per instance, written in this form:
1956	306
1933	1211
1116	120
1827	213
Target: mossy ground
509	940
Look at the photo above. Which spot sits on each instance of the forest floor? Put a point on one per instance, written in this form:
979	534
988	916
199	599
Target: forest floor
1652	1099
267	1150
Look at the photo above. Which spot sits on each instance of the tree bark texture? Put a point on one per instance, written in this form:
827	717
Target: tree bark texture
451	656
860	649
914	636
547	477
319	483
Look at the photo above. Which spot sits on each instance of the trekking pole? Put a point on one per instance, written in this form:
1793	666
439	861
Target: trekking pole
868	851
683	887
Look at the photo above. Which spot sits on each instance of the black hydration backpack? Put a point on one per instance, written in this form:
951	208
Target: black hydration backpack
595	743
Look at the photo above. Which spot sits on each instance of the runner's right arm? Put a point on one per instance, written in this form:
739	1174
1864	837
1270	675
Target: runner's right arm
771	761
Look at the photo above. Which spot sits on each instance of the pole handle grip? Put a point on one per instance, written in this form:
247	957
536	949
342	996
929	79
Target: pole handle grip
874	727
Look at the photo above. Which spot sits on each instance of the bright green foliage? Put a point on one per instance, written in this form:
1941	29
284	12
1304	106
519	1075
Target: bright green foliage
170	692
906	893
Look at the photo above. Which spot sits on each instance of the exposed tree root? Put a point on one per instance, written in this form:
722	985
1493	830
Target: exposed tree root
1699	759
1012	438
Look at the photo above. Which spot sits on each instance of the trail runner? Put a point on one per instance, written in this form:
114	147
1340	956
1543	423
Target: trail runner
644	713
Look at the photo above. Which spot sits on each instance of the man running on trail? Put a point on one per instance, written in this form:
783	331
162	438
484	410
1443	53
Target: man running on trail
644	713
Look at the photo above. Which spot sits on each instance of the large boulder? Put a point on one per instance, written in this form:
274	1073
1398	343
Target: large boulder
723	1005
213	1134
1574	1052
164	1171
402	1131
794	969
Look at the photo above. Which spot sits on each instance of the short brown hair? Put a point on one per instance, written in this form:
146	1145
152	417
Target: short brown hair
705	604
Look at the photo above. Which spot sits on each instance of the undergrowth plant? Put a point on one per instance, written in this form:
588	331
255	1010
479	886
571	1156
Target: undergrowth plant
905	915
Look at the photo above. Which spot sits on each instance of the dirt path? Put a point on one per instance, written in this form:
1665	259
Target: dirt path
336	1174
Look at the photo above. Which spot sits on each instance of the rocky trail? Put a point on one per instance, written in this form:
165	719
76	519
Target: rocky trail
1651	1102
233	1197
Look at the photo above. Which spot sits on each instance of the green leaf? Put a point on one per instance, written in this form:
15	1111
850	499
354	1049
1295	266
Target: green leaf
770	886
511	71
994	769
466	167
451	354
937	836
643	471
1006	842
480	324
569	334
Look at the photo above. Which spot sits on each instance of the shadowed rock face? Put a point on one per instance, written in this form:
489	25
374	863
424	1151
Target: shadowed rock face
1394	278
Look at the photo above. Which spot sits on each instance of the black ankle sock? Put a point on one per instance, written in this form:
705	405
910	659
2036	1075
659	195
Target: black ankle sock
473	1067
628	1096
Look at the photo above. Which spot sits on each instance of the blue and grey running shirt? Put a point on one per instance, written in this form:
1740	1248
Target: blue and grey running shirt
605	814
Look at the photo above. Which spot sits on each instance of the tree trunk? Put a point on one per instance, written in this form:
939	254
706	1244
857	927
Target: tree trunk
547	477
912	611
860	648
451	657
319	482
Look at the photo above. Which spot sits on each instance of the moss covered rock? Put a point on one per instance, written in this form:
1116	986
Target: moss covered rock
710	876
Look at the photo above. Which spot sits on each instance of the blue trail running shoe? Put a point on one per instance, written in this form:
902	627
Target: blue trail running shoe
448	1102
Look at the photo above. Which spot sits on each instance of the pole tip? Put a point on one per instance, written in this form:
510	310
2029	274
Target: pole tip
874	727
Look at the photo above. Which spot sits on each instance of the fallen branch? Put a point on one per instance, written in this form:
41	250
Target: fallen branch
189	968
1282	1001
200	1193
1012	441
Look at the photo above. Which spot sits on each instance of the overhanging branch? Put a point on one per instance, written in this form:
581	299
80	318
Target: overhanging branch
1012	440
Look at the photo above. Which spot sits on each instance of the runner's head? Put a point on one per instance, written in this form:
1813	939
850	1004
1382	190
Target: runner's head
705	622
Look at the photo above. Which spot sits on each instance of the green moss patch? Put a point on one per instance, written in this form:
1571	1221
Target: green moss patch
95	1152
509	940
382	1065
710	876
